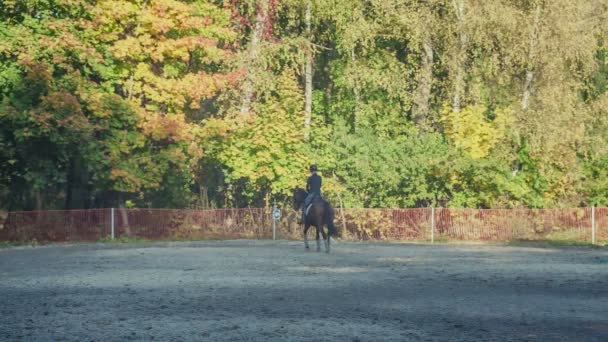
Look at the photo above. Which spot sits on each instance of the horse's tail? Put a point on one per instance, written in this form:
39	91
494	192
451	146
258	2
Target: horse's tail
329	219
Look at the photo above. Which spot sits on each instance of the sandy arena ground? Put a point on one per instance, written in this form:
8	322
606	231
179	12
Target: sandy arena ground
265	291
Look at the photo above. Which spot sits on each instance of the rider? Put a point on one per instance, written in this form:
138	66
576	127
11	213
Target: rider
313	187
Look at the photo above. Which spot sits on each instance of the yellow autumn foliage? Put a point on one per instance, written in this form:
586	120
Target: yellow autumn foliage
473	131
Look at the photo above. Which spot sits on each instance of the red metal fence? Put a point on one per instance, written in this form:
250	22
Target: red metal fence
420	224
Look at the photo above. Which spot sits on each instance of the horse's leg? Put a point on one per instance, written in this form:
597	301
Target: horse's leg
318	237
306	236
326	239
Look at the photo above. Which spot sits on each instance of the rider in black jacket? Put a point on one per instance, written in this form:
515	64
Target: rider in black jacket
313	187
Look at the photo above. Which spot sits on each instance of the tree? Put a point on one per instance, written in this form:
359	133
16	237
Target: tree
103	92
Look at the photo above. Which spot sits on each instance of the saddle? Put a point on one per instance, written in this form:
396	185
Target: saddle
309	204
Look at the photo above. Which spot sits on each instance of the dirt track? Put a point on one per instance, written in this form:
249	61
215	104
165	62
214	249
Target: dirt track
261	291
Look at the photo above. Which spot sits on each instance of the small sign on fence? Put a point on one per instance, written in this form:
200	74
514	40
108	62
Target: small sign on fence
276	216
276	213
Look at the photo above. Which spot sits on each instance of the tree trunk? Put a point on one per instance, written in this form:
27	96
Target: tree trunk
357	93
341	208
39	200
204	197
531	65
39	205
124	216
343	219
328	89
257	36
461	57
525	102
308	75
421	107
76	185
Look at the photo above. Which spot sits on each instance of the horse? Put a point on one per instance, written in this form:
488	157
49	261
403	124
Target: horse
319	215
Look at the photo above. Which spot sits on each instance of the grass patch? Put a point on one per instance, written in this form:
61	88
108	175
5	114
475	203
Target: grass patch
559	239
555	243
124	239
448	241
7	244
10	244
134	239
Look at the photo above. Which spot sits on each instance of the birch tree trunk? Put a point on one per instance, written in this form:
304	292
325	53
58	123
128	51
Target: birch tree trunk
124	216
257	36
421	107
357	92
528	83
459	6
308	75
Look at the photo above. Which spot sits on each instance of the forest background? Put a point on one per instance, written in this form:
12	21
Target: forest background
211	104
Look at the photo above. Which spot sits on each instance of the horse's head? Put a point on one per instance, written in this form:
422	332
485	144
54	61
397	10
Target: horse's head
299	195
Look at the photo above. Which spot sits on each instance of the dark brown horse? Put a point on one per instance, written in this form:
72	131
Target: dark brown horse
319	215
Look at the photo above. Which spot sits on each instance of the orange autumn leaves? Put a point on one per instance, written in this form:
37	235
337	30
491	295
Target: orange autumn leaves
121	83
170	57
165	50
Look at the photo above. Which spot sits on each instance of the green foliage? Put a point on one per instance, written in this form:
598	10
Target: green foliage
388	171
196	103
266	150
472	131
71	121
596	185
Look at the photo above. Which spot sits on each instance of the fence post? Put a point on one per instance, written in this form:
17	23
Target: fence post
593	225
112	221
432	224
274	229
274	220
